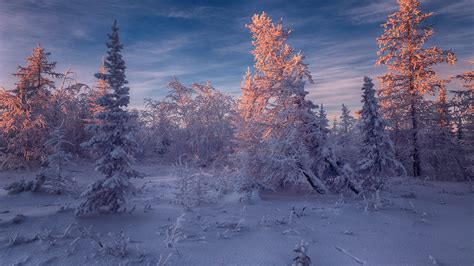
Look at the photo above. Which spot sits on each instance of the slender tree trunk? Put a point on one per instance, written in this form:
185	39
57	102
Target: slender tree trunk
414	118
416	152
25	151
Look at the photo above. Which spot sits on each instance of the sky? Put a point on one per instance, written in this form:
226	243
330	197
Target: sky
199	41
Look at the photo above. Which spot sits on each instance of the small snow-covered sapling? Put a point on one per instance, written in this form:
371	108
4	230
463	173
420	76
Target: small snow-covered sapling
301	259
119	245
175	233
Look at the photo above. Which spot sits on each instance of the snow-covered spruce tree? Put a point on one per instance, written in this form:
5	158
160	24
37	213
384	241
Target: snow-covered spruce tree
347	138
410	74
323	123
334	127
112	140
100	89
347	121
51	179
378	155
23	110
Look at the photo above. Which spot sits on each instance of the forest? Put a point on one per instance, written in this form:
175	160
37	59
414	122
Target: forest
201	177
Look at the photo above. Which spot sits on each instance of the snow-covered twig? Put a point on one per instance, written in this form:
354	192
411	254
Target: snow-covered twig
350	255
174	233
117	248
48	261
22	261
433	260
161	261
87	233
18	239
232	228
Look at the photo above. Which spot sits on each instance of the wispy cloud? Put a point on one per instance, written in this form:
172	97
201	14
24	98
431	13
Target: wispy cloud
373	12
461	9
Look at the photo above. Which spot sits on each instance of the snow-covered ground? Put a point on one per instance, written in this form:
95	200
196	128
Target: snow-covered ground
421	223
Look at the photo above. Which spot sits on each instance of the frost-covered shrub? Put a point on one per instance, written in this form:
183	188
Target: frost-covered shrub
193	187
174	233
19	239
118	246
18	187
12	162
195	120
233	227
301	259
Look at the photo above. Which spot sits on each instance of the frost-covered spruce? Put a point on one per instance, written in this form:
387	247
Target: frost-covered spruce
347	121
51	178
112	141
378	154
323	123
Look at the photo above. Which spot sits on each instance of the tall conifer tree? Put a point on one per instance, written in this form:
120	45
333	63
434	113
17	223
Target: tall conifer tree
24	110
410	74
112	140
378	154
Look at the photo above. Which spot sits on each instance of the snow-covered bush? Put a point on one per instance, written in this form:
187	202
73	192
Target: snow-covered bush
301	259
118	246
193	187
195	121
19	239
19	186
234	227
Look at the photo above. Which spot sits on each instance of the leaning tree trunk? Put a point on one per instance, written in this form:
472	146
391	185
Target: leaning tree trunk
316	183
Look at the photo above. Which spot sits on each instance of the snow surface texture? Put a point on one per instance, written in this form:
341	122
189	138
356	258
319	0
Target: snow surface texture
421	223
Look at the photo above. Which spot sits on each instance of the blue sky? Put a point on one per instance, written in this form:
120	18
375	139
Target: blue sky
200	41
